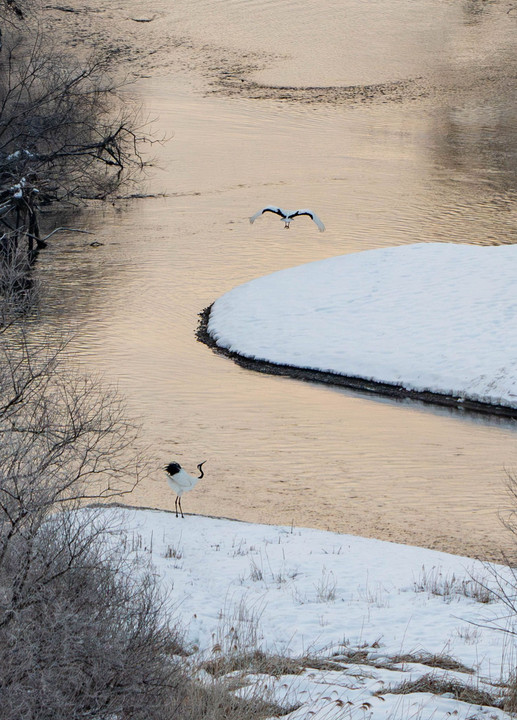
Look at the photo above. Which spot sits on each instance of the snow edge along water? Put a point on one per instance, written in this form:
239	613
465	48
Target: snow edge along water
426	322
361	385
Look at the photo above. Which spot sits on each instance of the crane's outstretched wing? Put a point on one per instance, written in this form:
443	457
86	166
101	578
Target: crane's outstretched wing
268	208
312	216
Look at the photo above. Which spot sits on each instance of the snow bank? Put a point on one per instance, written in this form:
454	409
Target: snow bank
435	317
298	591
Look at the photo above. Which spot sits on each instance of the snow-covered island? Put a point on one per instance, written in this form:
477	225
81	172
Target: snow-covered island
352	627
430	318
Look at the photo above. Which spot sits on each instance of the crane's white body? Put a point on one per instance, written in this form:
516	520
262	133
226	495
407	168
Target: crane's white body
180	481
288	215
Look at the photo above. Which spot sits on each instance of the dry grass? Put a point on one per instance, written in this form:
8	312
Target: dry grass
510	704
214	701
326	587
430	683
230	673
239	629
260	663
359	657
362	656
256	662
444	662
435	582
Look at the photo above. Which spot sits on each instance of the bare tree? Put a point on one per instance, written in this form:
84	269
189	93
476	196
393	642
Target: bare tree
64	437
84	639
67	131
82	633
65	134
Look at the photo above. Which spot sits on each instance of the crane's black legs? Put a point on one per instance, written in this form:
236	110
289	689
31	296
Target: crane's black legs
177	505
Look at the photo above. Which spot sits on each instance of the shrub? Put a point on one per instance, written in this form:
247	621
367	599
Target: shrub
82	633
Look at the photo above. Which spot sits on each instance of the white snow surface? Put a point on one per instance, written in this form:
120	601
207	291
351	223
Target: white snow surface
437	317
236	586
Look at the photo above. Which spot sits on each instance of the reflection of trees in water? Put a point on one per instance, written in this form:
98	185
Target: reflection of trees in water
67	135
474	135
475	126
77	278
480	140
17	290
474	10
474	144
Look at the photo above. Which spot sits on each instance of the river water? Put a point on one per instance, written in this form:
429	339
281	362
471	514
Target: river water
422	146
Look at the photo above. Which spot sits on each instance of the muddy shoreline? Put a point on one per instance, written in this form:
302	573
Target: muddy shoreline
146	46
361	385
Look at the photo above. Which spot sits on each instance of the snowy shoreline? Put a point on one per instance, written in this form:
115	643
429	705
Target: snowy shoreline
428	322
379	613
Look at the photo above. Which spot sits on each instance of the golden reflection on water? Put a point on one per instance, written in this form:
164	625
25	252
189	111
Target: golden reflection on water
281	451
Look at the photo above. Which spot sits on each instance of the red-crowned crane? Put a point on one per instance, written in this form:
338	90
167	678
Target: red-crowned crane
180	481
288	215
